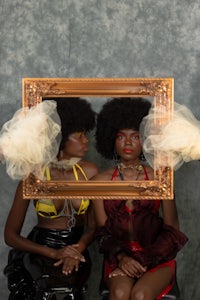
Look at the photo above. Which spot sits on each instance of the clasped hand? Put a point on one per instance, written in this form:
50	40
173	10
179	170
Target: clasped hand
70	258
129	267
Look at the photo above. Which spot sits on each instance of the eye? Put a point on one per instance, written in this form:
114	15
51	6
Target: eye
135	137
119	136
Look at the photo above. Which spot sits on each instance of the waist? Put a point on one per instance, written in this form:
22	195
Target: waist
56	238
134	246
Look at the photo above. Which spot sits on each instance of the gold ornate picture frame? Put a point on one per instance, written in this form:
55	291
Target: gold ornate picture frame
160	90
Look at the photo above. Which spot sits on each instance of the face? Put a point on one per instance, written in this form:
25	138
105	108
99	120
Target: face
76	145
127	145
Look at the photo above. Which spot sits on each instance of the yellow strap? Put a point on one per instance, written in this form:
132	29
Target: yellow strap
47	206
48	174
76	173
83	206
84	202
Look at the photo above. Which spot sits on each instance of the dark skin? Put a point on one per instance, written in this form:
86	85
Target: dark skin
69	256
121	282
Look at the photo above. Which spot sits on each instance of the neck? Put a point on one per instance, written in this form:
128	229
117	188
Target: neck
133	169
130	164
65	163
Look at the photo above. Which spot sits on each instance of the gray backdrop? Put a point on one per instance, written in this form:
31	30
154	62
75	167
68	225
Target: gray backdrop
101	38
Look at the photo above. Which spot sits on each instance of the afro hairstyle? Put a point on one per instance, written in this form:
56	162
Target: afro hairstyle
75	115
117	114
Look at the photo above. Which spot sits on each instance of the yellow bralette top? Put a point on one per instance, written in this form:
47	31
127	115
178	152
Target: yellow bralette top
46	207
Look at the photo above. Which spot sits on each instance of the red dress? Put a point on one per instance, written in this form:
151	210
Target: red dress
141	234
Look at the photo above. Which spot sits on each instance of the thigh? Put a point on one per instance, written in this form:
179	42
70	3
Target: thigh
20	281
120	287
45	273
151	284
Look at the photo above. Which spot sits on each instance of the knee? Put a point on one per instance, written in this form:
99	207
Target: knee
141	294
118	294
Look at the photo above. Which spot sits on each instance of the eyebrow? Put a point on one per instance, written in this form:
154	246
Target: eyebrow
122	131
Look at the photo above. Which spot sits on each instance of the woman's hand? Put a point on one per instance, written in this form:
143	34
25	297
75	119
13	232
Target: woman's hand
70	264
70	251
117	272
131	267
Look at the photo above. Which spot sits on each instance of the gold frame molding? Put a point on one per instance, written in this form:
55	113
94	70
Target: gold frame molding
160	89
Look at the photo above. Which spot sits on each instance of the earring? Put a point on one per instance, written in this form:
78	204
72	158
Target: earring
142	157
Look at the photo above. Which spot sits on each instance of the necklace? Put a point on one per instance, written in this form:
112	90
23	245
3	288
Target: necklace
121	167
65	164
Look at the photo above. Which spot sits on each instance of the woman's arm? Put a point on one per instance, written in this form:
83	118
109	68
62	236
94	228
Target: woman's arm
169	213
99	212
73	252
88	235
14	224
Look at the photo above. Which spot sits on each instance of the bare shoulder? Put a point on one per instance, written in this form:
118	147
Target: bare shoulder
90	168
106	175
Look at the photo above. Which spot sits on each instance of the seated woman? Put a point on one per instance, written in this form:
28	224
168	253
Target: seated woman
57	245
139	246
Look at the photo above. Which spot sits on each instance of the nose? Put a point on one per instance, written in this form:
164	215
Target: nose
128	140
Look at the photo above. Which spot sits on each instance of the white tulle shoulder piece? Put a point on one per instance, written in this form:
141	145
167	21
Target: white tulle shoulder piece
178	138
30	140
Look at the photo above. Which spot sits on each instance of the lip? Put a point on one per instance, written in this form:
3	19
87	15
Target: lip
128	150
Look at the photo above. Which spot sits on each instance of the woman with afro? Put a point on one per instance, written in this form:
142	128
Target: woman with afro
139	246
55	254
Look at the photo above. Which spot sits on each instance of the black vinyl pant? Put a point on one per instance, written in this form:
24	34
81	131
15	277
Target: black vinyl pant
31	275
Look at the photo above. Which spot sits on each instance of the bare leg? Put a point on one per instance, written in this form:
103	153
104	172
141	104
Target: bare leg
151	284
120	287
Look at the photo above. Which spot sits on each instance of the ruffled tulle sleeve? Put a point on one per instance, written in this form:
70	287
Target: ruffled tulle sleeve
168	243
177	139
30	140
